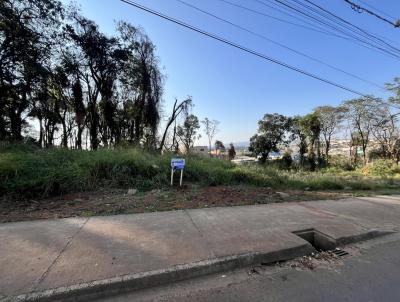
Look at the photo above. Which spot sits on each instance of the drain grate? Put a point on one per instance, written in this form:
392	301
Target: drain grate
338	252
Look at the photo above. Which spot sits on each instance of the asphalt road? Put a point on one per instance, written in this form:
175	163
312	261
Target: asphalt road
370	273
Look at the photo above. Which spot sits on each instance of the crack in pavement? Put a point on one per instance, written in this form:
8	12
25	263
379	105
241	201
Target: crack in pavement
201	234
46	272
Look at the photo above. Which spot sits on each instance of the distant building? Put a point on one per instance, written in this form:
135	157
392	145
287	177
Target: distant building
201	150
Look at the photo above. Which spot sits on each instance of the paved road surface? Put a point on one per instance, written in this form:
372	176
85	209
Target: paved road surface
42	255
373	275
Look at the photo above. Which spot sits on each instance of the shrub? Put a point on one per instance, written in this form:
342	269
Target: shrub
382	167
340	162
286	160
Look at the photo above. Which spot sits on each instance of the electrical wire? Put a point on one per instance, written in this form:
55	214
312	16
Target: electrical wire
243	48
303	26
313	17
352	25
360	9
377	9
279	44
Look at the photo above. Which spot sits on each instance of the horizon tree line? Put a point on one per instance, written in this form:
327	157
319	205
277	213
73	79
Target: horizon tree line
362	121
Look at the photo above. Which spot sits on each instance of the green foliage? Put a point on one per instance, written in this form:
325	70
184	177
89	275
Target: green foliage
383	167
340	163
32	172
376	154
286	161
187	133
271	133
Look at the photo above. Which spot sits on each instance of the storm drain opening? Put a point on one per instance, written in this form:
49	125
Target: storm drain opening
320	241
338	252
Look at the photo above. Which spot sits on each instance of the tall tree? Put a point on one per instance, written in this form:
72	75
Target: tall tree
27	31
177	109
329	118
188	131
210	129
79	109
272	132
385	130
311	126
359	113
102	57
141	79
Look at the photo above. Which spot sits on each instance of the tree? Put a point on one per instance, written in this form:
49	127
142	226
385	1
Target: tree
24	57
219	145
103	57
210	129
311	127
182	107
58	68
329	119
299	135
272	131
385	130
80	111
187	132
359	113
142	80
394	87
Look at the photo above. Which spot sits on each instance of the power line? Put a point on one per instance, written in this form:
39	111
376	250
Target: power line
374	38
277	43
377	9
243	48
313	17
314	28
358	8
329	15
352	25
303	26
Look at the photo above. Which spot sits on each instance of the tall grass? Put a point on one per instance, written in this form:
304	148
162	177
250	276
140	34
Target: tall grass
29	172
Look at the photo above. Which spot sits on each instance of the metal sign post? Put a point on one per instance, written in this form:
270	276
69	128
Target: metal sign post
177	164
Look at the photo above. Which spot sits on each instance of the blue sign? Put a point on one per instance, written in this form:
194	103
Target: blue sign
177	163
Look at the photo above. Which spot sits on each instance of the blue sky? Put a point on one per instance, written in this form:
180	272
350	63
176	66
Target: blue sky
237	88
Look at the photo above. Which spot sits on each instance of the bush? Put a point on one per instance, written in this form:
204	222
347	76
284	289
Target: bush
340	162
376	154
287	160
381	167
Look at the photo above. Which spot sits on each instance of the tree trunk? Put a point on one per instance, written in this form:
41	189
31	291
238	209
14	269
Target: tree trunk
40	132
79	138
16	125
327	148
65	135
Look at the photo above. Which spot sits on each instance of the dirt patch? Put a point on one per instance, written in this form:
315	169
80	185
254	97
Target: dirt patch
316	260
119	202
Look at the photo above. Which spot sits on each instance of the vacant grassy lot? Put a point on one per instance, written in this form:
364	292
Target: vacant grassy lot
27	172
37	183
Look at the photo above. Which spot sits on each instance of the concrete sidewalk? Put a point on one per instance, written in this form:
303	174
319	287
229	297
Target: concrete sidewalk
41	255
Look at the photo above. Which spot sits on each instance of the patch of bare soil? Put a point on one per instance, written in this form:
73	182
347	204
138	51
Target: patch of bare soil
317	260
113	202
325	259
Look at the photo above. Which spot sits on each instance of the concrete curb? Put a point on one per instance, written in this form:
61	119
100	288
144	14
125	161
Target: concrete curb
371	234
126	283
